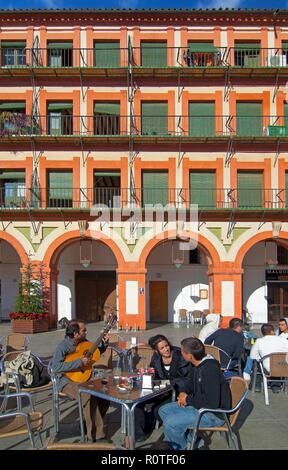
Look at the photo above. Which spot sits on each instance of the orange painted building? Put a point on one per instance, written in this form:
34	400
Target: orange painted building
143	161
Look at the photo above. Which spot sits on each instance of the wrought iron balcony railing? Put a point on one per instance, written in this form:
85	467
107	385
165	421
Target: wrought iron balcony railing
193	126
144	57
15	197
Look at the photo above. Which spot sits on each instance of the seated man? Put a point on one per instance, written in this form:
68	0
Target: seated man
231	340
270	343
283	328
94	408
206	387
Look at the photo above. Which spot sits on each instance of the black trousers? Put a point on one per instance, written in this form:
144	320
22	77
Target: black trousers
144	420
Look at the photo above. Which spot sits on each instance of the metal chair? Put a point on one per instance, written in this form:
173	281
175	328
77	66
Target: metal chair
278	371
16	385
216	352
196	316
57	397
51	445
183	316
17	423
17	342
142	357
239	392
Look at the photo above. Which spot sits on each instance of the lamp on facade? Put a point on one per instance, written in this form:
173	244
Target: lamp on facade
86	255
276	227
177	260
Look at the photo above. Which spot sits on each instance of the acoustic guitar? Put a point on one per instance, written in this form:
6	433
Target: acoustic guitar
88	349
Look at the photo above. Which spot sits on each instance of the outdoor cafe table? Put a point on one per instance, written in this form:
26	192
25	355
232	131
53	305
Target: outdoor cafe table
124	350
128	401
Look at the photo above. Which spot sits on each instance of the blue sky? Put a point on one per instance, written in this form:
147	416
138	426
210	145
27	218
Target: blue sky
143	4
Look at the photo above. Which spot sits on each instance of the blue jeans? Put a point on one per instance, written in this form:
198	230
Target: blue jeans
249	365
176	421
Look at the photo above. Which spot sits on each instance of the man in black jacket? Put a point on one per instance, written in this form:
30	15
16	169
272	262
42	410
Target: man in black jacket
231	340
206	387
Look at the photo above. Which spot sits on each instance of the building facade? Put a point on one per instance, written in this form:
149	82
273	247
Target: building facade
104	114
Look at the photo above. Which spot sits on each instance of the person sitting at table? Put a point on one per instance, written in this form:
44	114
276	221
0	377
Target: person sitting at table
283	328
94	408
168	364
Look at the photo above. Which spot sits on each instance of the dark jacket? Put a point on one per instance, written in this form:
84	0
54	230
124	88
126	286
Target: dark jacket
230	341
206	386
179	368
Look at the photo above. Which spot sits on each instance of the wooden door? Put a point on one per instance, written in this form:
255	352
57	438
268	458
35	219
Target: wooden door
158	301
92	293
277	300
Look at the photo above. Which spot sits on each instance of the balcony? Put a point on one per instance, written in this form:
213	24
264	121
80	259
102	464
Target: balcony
164	62
149	129
217	200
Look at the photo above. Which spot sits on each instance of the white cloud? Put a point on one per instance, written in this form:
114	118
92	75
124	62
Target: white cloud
218	4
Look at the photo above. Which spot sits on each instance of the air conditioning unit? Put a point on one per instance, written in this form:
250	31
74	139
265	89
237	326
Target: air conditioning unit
278	61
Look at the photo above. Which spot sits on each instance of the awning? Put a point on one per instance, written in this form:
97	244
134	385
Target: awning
202	47
107	108
60	45
12	175
12	105
13	44
59	106
99	174
247	45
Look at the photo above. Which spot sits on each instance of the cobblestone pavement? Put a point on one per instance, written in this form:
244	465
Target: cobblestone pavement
266	427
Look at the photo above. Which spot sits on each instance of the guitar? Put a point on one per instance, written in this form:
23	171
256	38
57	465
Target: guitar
88	349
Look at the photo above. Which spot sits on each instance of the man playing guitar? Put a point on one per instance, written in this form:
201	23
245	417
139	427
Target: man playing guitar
94	408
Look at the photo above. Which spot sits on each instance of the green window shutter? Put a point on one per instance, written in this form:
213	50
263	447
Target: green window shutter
107	54
155	187
154	54
284	44
107	108
60	45
201	46
203	188
154	118
249	119
201	119
9	105
286	117
60	184
250	189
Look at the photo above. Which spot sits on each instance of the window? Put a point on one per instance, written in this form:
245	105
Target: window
60	54
249	119
107	54
60	189
13	53
154	118
202	188
12	117
201	119
154	187
153	54
202	54
282	255
247	54
12	188
106	118
60	118
250	189
107	188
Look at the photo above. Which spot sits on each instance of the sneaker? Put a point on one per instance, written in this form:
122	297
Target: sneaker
246	377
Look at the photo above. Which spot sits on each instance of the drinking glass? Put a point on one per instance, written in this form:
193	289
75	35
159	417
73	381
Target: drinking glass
116	375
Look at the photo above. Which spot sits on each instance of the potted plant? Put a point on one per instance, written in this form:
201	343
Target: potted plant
30	312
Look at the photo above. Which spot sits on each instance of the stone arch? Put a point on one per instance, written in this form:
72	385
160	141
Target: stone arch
207	247
254	240
16	245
